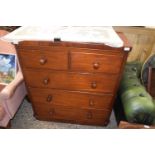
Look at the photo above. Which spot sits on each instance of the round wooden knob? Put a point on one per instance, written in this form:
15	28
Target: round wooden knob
51	112
91	103
42	61
89	115
93	85
49	98
46	81
96	65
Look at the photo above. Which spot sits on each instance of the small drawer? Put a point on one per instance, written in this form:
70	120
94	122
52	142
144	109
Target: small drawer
94	62
71	81
52	58
93	117
70	98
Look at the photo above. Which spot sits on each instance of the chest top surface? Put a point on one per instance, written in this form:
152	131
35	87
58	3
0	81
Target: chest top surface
75	34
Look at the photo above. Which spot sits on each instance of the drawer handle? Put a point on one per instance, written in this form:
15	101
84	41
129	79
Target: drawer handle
51	112
96	65
49	98
46	81
89	115
91	103
93	85
42	61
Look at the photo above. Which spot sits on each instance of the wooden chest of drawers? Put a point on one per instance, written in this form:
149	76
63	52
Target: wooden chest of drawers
72	82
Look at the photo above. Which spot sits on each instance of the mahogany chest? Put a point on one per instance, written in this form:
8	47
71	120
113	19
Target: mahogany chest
72	82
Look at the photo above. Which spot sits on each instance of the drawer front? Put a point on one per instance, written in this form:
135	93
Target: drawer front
70	98
93	117
66	114
94	62
42	112
56	113
71	81
49	59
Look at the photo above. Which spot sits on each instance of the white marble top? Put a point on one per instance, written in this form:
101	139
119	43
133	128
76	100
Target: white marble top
105	35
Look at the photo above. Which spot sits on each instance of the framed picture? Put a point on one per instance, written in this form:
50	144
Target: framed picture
8	68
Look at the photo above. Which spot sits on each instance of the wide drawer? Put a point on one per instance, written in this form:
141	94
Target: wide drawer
67	114
94	62
71	81
52	58
70	98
